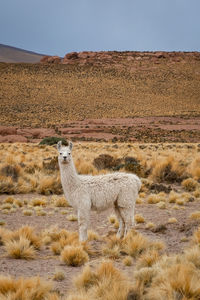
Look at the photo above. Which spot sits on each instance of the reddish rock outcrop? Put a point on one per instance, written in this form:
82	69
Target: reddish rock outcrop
51	59
13	139
118	58
5	130
38	133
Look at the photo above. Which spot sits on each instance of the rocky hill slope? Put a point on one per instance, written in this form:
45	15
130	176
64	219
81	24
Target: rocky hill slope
119	86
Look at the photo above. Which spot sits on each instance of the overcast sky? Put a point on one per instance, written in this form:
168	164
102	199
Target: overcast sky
56	27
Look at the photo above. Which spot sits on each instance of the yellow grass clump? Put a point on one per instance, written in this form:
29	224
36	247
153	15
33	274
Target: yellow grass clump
112	219
147	259
74	256
59	201
180	201
20	248
59	275
134	244
180	279
193	255
39	202
28	233
173	196
161	205
195	215
166	169
93	236
189	184
153	199
25	288
139	218
9	199
172	220
72	218
104	283
128	261
150	225
27	212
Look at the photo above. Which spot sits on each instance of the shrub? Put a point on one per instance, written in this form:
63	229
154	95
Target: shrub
12	171
167	171
133	165
105	161
53	140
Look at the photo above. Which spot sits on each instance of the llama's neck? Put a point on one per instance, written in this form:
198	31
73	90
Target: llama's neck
69	177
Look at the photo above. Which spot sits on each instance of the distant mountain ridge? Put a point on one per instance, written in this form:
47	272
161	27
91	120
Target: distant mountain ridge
11	54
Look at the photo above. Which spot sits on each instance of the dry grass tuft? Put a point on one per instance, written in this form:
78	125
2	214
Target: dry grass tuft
134	244
173	196
195	215
180	202
106	282
161	205
59	275
128	261
166	170
172	220
189	184
147	259
59	201
93	236
20	249
150	225
33	288
182	281
196	237
74	256
112	219
153	199
39	202
139	218
72	218
27	212
9	199
193	255
28	233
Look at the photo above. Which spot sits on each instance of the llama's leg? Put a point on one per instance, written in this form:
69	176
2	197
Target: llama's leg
83	222
127	215
120	231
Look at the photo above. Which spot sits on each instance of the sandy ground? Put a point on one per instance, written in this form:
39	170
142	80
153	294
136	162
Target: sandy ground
46	263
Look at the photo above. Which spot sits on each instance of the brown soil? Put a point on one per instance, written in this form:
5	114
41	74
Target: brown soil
146	129
46	263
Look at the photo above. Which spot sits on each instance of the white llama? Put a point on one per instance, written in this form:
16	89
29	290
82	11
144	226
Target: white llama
85	193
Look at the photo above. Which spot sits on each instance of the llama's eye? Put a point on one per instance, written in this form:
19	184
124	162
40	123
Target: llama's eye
69	153
60	153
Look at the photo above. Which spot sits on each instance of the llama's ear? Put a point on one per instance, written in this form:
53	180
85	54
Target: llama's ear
59	145
70	145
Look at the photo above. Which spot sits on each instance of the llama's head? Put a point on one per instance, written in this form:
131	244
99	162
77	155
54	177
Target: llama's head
64	152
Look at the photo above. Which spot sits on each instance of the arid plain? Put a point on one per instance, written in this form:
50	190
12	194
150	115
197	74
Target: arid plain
133	113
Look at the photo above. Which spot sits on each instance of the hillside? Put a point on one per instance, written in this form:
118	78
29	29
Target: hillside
16	55
129	85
